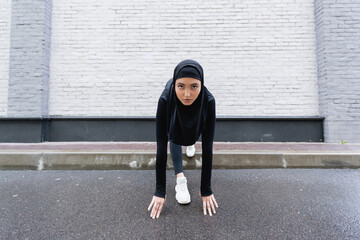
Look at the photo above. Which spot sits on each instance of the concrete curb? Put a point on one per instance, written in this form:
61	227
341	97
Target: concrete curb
101	160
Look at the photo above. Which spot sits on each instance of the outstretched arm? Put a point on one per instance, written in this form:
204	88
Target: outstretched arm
161	149
207	150
161	157
206	193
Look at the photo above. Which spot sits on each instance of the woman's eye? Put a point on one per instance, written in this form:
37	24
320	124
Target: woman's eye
182	87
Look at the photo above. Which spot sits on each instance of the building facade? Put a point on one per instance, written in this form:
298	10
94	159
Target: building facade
93	71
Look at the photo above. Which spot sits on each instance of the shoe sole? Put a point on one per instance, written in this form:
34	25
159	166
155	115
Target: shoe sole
186	203
190	155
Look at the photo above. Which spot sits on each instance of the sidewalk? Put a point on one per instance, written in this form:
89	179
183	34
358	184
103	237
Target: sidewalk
142	155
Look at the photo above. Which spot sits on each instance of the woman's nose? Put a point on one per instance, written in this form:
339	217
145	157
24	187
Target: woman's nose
187	93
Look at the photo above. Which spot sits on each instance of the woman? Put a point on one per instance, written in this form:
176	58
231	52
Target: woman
185	110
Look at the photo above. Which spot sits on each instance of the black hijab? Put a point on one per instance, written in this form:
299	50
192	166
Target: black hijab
187	122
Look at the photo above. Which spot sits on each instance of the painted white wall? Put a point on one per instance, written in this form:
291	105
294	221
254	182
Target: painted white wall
113	58
5	30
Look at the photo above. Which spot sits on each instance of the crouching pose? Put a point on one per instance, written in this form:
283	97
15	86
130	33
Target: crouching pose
186	110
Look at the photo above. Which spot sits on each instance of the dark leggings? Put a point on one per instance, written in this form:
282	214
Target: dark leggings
176	155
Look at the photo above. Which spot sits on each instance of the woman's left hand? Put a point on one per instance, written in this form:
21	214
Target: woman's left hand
209	204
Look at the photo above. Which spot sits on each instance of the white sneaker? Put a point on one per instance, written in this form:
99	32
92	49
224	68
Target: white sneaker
190	151
182	192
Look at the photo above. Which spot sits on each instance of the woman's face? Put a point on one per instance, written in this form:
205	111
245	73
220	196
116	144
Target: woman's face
187	90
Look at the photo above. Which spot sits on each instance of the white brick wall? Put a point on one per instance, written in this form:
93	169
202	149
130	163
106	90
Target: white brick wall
338	57
113	58
5	22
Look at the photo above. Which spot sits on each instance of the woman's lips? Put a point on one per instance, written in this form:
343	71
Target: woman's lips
187	100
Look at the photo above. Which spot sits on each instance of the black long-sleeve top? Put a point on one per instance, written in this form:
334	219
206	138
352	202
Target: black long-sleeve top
207	137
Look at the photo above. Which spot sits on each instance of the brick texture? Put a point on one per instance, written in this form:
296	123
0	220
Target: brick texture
338	56
28	90
5	21
113	58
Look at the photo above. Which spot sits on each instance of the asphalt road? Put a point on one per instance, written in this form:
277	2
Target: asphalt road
112	204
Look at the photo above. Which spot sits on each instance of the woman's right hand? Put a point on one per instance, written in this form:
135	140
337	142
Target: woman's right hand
157	205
